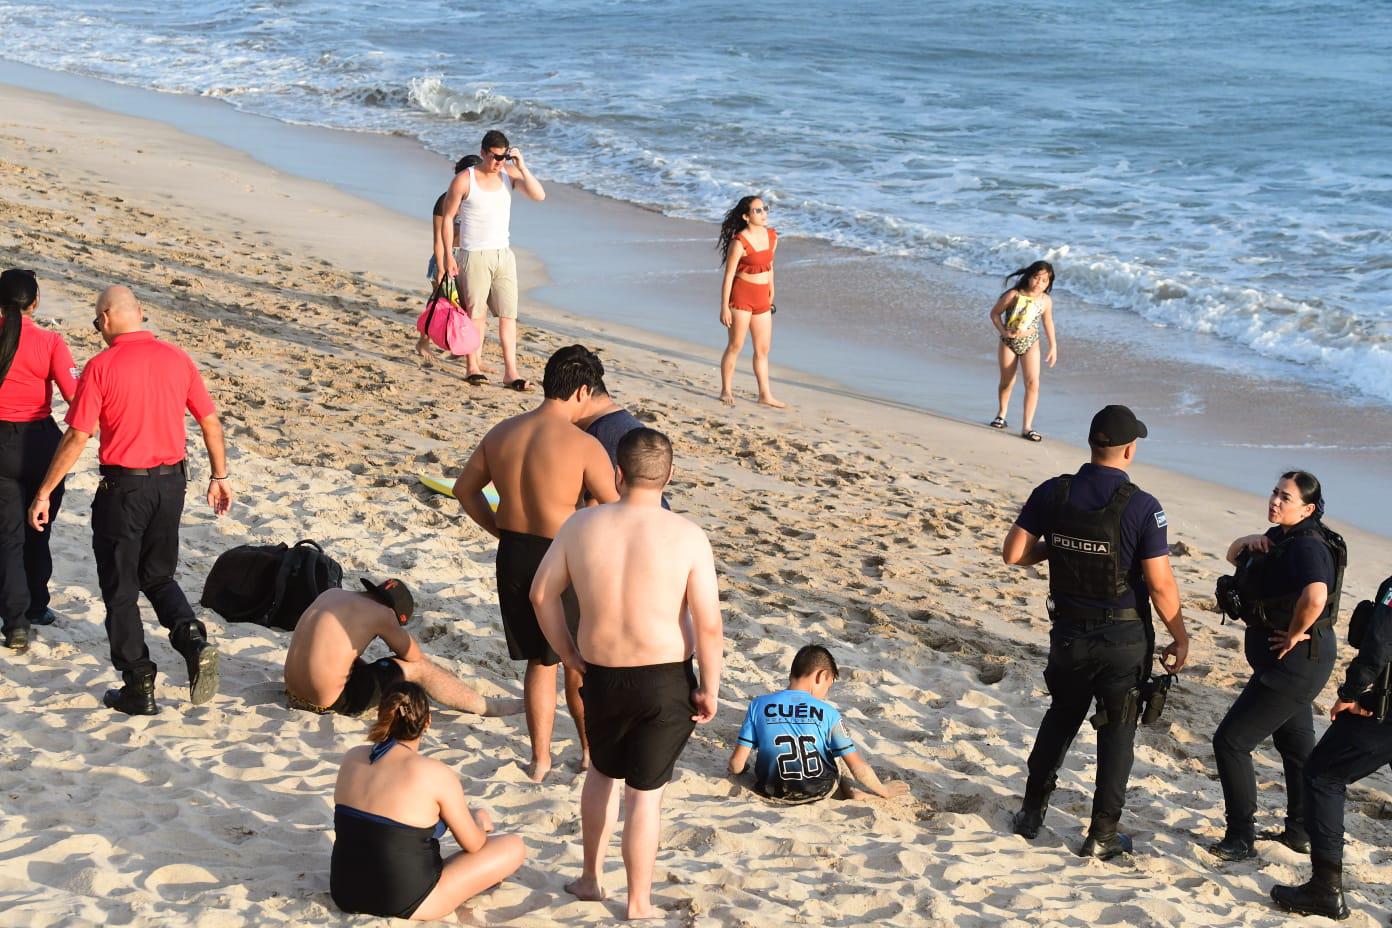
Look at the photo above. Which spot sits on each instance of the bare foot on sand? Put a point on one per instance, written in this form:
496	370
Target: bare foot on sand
647	912
586	890
538	769
728	399
498	707
770	401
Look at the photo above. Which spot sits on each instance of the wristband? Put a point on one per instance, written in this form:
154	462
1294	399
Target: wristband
223	477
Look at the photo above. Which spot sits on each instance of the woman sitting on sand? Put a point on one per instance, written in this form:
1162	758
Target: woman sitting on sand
391	807
746	245
1017	316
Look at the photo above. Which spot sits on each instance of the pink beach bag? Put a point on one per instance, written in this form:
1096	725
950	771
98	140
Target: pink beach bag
446	323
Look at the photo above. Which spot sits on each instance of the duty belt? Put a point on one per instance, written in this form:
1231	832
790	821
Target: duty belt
115	470
1089	614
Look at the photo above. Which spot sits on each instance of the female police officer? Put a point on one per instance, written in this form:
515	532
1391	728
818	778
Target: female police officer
1290	598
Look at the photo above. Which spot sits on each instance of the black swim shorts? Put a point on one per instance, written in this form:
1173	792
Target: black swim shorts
366	684
519	556
638	719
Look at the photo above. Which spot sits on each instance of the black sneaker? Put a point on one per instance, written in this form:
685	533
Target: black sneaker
17	640
48	618
1297	841
1234	847
1105	846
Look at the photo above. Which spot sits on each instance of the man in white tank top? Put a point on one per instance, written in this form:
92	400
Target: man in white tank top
488	280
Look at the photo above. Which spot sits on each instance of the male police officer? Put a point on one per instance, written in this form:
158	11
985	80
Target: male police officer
136	391
1108	559
1357	745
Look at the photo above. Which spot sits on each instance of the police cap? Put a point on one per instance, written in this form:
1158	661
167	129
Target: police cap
1114	426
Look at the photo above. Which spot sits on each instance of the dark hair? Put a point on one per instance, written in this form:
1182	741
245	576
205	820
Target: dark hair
402	714
645	457
1023	275
468	161
1310	490
493	138
733	224
568	370
18	291
599	388
812	658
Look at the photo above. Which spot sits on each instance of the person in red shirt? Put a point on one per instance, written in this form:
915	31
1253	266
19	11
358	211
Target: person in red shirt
32	361
136	392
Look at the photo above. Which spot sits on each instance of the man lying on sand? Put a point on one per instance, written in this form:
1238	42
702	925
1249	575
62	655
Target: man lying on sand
799	736
645	579
324	670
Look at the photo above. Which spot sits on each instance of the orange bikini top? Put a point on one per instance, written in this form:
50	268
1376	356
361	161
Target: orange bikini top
756	262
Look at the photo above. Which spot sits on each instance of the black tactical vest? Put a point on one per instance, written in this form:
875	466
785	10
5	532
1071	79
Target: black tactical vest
1085	545
1277	611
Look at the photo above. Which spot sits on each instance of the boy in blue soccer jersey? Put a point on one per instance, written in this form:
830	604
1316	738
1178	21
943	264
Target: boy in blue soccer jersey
799	737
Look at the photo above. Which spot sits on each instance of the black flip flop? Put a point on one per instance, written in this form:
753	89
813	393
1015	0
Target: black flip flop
520	385
997	423
1031	435
476	379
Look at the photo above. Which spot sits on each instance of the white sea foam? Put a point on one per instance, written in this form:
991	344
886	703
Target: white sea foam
1209	191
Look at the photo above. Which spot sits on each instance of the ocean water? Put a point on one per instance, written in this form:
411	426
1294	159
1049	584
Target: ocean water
1218	168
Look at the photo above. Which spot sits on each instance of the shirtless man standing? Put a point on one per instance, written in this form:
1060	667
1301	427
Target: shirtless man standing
324	670
645	579
539	463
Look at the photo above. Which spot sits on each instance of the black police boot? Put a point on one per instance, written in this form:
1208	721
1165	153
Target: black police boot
1322	895
1292	836
1104	842
1237	844
137	697
17	640
201	659
1027	822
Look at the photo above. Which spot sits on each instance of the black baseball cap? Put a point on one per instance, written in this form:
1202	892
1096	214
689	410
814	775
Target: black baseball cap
394	595
1114	426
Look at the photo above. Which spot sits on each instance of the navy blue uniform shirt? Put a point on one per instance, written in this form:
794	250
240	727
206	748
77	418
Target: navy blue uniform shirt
1143	522
1306	560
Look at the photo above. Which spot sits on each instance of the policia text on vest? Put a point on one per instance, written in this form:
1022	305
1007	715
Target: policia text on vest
1109	569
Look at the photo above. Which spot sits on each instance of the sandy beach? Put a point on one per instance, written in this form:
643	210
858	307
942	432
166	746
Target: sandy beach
870	527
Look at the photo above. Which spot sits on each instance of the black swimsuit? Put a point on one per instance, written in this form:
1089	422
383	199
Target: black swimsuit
380	866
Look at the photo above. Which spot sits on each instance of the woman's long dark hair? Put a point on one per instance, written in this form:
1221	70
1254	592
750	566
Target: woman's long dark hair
18	291
733	224
1311	493
1023	275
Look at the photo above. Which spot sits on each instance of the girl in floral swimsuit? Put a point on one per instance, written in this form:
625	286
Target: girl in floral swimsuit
1017	316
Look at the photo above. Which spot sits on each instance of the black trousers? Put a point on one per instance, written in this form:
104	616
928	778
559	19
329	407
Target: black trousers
26	448
1276	703
1352	748
1087	661
135	537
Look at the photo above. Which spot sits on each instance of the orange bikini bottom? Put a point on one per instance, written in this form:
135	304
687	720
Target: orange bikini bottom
750	297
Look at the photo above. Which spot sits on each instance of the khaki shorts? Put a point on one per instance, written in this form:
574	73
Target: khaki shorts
489	278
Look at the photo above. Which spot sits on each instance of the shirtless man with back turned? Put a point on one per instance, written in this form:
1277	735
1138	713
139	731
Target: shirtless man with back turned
539	463
645	579
324	669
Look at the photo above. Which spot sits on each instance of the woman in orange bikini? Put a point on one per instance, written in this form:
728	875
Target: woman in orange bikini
746	246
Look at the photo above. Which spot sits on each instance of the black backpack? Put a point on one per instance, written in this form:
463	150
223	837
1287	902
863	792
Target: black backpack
269	585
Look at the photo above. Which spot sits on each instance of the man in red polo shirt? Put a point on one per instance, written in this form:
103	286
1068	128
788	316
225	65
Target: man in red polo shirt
136	392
